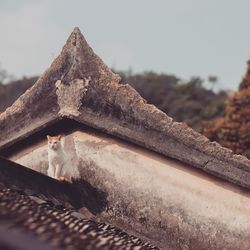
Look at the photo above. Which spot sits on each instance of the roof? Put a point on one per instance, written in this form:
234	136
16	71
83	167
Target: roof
79	86
45	218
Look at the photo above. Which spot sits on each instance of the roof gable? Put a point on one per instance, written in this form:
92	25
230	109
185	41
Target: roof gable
79	86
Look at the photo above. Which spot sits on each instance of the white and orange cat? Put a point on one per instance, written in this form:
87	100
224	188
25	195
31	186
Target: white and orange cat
59	164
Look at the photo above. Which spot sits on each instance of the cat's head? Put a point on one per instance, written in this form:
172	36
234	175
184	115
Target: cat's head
54	142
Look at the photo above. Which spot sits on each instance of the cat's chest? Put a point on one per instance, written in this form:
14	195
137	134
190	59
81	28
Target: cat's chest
56	159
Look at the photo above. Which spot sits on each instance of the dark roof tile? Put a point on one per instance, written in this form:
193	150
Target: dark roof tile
55	224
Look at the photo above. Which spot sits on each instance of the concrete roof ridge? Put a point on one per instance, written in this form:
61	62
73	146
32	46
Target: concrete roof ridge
79	86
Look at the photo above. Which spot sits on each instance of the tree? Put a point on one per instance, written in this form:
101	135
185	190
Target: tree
213	80
3	75
233	129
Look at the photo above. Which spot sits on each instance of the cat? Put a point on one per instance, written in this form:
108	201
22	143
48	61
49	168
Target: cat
59	164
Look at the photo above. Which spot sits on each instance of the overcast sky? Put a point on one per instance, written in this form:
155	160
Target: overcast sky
182	37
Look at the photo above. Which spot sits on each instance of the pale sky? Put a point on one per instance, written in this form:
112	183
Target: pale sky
182	37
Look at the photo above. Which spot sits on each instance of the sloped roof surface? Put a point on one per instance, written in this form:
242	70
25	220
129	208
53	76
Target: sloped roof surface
51	222
79	86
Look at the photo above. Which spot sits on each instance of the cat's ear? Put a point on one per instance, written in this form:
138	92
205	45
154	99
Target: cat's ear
48	137
59	137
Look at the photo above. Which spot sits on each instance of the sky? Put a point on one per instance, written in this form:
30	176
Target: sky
181	37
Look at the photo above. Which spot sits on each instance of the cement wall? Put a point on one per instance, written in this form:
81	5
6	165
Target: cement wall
174	205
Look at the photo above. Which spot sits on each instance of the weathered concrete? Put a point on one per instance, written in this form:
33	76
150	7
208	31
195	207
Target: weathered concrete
168	202
173	202
95	97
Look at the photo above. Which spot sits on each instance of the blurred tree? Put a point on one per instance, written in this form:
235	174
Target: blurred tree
3	74
233	129
213	80
11	91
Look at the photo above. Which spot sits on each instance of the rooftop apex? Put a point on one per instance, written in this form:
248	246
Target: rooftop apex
80	87
77	60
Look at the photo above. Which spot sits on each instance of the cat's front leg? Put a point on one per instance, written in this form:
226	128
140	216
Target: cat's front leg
51	172
58	171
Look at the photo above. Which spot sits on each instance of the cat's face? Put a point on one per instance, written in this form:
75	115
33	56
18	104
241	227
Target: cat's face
54	142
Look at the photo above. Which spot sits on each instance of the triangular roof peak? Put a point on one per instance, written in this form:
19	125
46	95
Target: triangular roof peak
77	60
79	86
58	92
